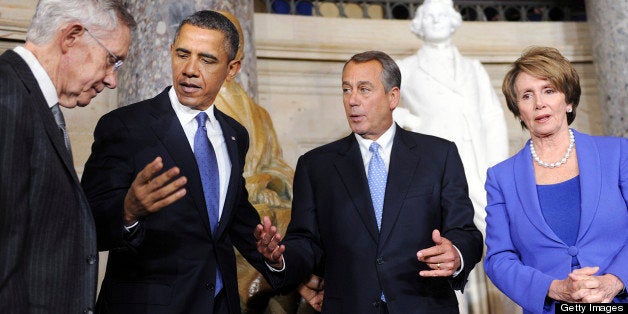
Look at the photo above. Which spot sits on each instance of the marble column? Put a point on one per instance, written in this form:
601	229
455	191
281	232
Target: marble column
608	24
147	71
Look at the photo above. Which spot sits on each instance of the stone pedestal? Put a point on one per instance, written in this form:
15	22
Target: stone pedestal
147	70
608	24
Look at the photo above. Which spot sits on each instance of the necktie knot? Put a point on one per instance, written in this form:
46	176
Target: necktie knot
374	148
201	118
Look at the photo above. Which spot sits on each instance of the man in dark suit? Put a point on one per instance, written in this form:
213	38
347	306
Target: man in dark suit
48	255
170	233
383	214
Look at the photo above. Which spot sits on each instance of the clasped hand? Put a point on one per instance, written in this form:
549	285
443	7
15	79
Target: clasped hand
442	258
583	286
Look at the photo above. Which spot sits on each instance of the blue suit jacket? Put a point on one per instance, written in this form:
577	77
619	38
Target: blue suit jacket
524	255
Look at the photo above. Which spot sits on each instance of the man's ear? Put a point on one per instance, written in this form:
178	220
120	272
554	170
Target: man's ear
70	35
234	68
394	94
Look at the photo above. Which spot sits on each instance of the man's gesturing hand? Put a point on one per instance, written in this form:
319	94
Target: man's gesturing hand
443	258
267	240
149	194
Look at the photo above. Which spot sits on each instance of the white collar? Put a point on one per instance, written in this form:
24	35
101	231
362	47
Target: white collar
42	77
187	114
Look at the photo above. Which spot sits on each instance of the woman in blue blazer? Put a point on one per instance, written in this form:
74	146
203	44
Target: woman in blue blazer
557	210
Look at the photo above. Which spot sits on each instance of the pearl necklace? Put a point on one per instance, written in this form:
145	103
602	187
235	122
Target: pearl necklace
572	142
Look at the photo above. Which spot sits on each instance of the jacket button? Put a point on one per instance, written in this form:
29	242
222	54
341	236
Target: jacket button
91	259
210	287
573	251
380	260
88	311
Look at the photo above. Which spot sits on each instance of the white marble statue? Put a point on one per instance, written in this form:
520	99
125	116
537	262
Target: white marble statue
447	95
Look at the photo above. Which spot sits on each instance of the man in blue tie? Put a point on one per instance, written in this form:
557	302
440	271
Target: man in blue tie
165	184
382	214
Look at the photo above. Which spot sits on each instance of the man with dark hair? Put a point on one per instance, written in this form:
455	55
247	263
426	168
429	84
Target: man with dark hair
382	214
165	184
48	255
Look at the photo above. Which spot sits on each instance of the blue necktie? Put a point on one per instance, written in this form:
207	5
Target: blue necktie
208	168
377	176
377	184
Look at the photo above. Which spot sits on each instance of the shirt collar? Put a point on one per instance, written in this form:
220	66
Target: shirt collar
385	140
43	80
187	114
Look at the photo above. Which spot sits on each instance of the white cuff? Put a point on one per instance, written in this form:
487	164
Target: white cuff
273	269
457	272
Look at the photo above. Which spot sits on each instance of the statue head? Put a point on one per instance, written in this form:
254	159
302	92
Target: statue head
435	21
234	20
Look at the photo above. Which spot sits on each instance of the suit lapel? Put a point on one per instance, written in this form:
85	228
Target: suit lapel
231	138
41	108
168	129
351	171
590	180
403	165
526	189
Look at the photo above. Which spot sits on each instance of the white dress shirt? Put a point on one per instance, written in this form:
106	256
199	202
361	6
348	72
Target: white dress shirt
187	118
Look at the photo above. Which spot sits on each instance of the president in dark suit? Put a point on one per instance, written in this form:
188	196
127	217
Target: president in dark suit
382	214
165	184
48	256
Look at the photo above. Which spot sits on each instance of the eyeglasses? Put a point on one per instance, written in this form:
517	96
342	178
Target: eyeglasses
115	60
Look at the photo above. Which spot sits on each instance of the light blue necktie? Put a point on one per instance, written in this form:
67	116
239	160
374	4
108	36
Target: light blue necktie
377	175
208	168
377	184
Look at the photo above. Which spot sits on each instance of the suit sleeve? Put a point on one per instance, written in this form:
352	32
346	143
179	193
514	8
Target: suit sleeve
303	247
457	210
502	263
107	177
244	222
14	191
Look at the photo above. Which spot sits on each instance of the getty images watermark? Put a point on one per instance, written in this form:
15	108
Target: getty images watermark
588	308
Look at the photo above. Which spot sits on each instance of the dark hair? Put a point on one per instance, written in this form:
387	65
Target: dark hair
215	21
546	63
391	76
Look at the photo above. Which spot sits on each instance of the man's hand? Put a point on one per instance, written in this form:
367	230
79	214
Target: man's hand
148	194
313	292
442	258
267	240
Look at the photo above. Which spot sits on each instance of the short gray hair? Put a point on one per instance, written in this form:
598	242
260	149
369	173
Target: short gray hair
391	75
99	16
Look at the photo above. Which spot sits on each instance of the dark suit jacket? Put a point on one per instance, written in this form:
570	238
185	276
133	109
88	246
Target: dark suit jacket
48	256
169	264
333	222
